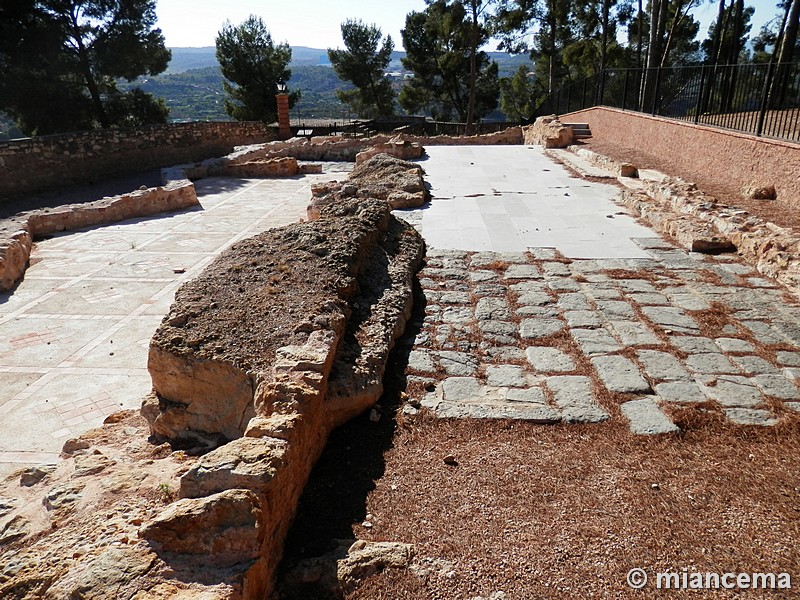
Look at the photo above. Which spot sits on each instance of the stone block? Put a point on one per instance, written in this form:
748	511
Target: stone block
573	396
646	418
246	463
620	374
219	530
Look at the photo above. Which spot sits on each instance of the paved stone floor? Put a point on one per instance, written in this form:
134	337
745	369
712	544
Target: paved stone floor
635	322
510	198
544	301
74	334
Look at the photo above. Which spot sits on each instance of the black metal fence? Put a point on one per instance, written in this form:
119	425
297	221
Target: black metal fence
412	126
759	99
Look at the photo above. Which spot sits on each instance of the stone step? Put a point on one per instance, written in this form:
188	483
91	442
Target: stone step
580	131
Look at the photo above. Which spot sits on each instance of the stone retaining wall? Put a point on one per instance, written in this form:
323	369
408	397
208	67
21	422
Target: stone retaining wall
50	162
744	160
336	148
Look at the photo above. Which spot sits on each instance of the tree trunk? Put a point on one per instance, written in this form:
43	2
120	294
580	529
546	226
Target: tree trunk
604	42
88	75
473	65
790	33
738	15
715	43
781	81
551	17
639	36
654	49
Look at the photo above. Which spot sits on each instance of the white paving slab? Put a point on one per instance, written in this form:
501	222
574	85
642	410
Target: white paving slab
74	334
510	198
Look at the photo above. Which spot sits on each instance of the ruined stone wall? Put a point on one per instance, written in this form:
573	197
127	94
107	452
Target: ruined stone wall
54	161
744	160
17	234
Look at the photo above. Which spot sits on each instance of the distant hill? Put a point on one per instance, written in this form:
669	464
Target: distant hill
185	59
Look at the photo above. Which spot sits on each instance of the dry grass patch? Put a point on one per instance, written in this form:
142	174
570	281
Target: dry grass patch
566	511
713	319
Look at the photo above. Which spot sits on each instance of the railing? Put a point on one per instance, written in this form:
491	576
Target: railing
431	128
759	99
411	125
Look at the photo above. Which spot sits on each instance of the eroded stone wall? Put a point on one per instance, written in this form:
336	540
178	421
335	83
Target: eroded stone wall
219	379
54	161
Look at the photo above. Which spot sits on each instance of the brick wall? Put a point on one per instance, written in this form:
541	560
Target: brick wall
743	160
49	162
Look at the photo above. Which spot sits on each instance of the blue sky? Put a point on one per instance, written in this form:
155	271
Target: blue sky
315	23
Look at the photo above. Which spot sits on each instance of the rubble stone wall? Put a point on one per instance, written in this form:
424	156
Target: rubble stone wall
745	160
50	162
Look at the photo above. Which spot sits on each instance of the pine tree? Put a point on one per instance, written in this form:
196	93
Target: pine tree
61	60
252	65
363	63
438	43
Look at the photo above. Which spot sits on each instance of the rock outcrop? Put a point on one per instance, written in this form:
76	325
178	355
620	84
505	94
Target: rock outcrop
282	338
340	571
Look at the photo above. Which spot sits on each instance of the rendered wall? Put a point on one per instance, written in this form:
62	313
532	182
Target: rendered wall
744	160
49	162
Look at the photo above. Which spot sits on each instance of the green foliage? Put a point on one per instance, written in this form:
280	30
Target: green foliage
728	50
61	61
363	63
136	108
543	29
252	65
438	44
517	95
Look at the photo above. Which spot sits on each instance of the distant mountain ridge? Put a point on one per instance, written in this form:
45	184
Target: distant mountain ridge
186	59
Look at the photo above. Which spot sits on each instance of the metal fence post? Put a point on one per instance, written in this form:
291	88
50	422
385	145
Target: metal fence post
656	90
699	104
762	111
601	92
625	88
583	97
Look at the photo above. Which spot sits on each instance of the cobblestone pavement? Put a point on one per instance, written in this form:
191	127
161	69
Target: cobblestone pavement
74	333
539	337
572	311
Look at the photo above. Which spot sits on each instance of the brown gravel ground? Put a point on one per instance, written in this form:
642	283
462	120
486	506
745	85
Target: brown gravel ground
555	511
713	184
